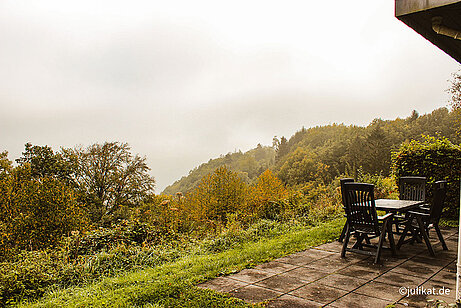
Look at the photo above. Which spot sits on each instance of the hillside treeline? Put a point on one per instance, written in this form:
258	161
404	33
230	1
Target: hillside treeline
325	152
248	165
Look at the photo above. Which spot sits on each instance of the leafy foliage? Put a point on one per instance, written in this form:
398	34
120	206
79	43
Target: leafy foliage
347	149
173	283
455	101
267	196
302	166
455	91
218	195
108	177
436	159
82	258
35	213
44	162
5	163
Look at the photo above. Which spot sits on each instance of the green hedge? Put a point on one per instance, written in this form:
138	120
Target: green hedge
436	159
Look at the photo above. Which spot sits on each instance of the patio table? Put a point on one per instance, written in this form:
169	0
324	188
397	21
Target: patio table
397	206
392	205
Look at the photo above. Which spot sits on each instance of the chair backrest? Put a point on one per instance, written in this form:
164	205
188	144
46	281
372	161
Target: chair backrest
360	207
412	188
438	201
341	183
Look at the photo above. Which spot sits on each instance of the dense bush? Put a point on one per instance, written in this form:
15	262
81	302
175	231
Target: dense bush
36	213
436	159
266	196
219	194
124	234
319	202
385	187
28	276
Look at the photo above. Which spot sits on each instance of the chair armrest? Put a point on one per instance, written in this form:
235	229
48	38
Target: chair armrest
387	216
419	213
425	207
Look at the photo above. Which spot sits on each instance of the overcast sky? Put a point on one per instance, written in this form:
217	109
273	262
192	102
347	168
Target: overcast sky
186	81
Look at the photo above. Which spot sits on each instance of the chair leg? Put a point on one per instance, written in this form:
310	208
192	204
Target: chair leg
404	234
380	247
367	240
390	236
439	234
382	236
422	229
346	240
360	238
343	233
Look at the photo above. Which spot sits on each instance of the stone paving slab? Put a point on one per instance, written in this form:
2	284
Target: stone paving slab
252	275
289	301
354	300
319	277
255	294
397	279
275	267
319	292
282	283
306	274
223	284
346	283
380	290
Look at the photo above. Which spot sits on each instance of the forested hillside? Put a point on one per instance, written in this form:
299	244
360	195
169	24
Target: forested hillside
324	152
248	165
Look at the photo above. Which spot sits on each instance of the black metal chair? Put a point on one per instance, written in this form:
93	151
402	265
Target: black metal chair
363	222
341	183
422	220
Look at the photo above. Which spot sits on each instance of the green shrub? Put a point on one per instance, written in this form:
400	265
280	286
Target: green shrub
436	159
317	202
385	187
28	276
125	234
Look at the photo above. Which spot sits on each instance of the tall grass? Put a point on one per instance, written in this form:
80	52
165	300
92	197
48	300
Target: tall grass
173	284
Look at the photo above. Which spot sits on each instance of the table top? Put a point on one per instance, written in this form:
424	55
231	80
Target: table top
396	205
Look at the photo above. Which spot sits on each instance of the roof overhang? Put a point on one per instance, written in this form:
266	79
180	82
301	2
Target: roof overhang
419	14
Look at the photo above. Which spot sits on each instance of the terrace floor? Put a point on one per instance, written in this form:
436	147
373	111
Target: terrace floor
319	277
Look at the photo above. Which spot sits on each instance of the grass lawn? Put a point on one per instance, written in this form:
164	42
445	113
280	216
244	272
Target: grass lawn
173	284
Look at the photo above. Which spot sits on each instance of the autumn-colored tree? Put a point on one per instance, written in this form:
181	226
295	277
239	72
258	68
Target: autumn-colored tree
266	195
109	176
219	194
